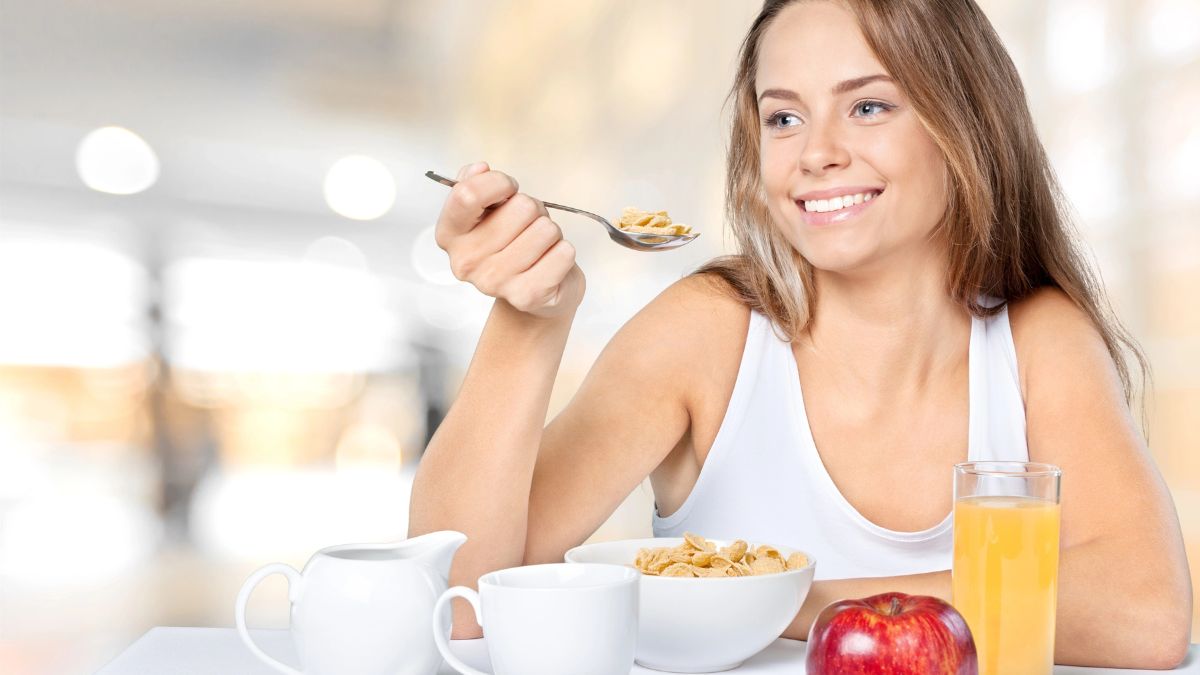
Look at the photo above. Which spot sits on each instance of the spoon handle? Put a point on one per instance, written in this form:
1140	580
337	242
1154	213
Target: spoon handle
450	182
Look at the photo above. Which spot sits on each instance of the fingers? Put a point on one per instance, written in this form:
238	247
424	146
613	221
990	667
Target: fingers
473	255
495	271
472	170
505	244
540	287
531	244
470	198
505	223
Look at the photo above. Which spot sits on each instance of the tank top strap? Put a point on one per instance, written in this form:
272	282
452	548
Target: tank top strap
997	417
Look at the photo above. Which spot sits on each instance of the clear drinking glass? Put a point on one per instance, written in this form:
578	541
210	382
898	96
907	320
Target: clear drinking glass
1005	575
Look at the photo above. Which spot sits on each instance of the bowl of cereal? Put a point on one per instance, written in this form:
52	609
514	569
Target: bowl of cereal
707	605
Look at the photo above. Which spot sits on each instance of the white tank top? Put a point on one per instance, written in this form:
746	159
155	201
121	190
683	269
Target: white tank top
763	480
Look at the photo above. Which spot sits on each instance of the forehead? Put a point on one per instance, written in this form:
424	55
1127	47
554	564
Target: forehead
813	44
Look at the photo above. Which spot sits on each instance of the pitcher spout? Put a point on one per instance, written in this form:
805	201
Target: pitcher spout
435	550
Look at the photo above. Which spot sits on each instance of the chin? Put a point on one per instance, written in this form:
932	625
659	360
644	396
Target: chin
833	249
839	258
839	265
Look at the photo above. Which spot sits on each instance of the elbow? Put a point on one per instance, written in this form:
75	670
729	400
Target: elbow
1168	655
1164	640
1176	643
1160	629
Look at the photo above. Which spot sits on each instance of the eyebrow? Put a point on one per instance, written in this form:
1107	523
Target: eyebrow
840	88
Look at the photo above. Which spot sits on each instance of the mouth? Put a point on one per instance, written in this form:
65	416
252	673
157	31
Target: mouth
839	203
837	209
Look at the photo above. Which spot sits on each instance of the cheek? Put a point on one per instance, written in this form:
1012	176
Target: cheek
774	168
929	195
915	165
929	165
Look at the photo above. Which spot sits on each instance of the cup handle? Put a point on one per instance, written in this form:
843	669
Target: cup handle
244	596
440	638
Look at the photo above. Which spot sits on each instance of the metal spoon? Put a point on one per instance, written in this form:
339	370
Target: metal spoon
635	240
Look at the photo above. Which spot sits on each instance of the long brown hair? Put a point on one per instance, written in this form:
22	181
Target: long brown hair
1007	221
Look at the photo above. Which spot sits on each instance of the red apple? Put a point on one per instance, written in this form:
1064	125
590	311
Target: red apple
891	634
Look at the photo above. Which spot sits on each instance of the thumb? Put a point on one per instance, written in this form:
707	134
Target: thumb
473	170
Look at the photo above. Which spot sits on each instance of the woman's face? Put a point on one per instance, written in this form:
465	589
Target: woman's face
836	129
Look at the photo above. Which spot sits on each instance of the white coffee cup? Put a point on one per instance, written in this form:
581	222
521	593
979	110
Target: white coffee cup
551	619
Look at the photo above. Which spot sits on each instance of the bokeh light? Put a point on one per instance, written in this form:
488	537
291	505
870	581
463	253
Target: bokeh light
360	188
117	161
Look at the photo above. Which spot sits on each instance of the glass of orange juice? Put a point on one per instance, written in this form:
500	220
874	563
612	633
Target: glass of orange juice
1005	575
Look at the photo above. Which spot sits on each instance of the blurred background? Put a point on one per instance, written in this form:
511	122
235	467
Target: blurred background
227	332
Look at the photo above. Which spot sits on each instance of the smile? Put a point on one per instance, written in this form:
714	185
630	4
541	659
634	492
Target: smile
836	209
838	203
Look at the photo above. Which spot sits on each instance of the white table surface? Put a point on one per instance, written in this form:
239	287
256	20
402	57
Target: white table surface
219	651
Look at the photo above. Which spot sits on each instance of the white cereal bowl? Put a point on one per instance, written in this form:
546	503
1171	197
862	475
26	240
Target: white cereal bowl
705	625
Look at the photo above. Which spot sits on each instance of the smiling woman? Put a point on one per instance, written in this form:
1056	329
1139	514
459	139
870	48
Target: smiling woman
906	296
978	165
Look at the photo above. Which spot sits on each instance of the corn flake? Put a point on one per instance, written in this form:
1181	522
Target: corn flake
698	557
649	222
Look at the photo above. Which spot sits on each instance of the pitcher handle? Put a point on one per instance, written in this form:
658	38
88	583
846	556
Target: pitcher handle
244	596
440	638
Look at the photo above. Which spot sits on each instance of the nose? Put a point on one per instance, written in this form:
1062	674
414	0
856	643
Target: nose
823	150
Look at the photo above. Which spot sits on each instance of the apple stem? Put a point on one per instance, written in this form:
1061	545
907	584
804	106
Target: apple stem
895	607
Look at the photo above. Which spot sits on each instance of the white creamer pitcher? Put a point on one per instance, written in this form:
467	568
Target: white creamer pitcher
363	609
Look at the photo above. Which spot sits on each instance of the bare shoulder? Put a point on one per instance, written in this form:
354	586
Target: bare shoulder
692	333
1048	313
1055	339
692	316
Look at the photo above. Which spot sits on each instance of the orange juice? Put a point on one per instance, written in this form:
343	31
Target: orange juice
1005	580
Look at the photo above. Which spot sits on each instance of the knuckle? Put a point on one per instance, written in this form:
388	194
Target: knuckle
466	194
462	266
504	184
523	205
484	287
487	281
442	237
560	253
546	228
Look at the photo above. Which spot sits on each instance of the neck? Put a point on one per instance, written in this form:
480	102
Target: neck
888	330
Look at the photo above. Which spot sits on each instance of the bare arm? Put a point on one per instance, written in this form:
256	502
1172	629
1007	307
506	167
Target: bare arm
475	474
1125	596
823	593
528	500
519	493
634	408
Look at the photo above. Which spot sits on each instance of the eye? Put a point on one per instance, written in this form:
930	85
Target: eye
781	120
866	108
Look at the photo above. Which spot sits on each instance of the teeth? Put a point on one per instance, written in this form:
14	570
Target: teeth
838	203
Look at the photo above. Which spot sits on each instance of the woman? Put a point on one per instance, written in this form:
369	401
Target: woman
938	313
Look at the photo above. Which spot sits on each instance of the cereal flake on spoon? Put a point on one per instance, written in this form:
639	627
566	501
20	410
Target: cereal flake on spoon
649	222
